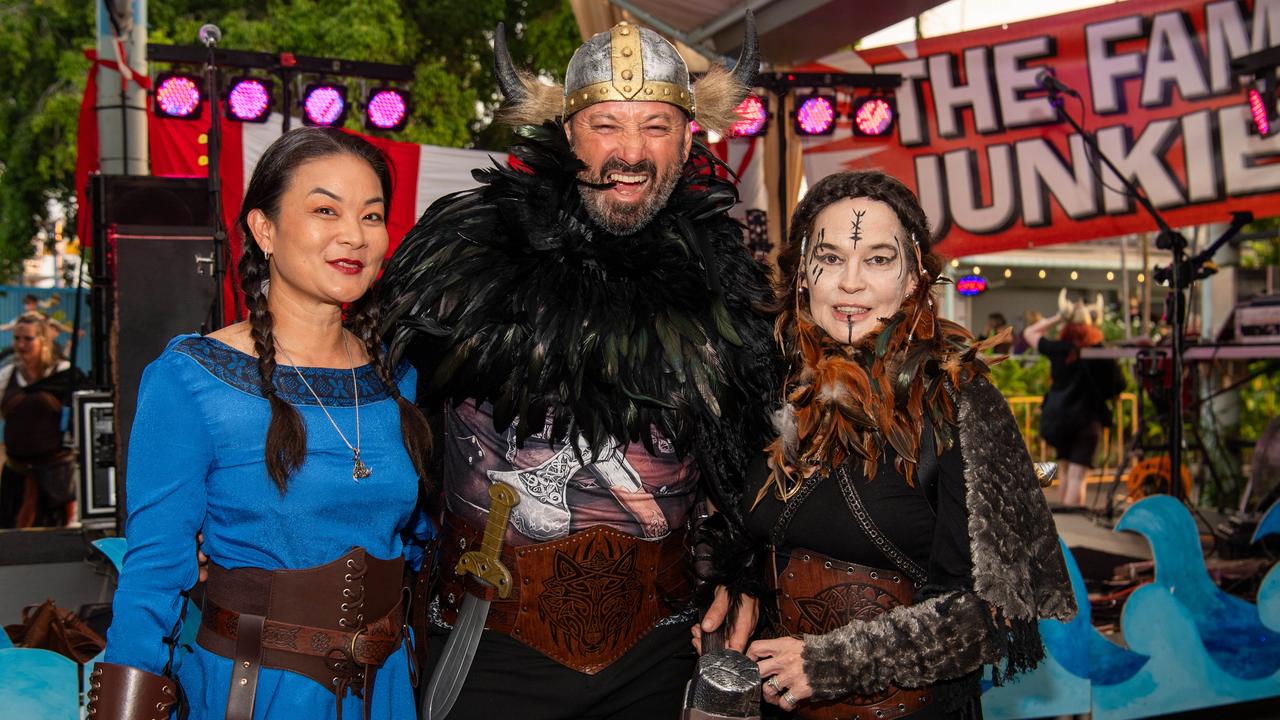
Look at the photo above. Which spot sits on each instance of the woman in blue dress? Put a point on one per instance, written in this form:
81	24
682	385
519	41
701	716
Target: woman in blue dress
297	452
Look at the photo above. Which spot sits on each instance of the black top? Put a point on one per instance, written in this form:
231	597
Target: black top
1098	384
929	525
937	539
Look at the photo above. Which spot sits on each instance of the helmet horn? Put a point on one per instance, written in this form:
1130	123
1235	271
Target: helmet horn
513	90
744	72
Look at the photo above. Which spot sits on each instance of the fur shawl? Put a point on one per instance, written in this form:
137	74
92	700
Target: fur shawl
1019	577
510	294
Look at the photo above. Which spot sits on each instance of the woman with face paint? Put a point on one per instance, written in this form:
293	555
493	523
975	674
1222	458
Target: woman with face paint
910	540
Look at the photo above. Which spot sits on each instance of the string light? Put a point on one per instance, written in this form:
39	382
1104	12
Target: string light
1008	273
955	262
977	270
1111	275
1043	274
1075	275
1142	277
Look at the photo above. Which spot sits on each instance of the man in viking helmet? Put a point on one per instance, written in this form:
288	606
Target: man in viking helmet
587	327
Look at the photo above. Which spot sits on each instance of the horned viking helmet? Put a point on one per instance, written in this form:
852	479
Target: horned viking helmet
627	63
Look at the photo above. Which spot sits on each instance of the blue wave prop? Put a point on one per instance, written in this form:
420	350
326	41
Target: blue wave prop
1269	590
1206	648
1079	647
40	685
1229	627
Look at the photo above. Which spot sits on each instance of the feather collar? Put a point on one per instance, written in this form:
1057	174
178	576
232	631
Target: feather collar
510	294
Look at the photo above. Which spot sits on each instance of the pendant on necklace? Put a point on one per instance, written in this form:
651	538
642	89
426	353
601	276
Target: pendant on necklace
360	471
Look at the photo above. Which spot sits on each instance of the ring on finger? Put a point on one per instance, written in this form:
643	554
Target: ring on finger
773	683
791	699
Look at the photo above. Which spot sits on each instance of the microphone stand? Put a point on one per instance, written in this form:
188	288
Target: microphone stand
216	310
1180	274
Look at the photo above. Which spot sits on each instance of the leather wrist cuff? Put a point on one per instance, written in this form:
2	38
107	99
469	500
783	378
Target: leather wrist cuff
120	692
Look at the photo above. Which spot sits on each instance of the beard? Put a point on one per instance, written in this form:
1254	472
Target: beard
627	218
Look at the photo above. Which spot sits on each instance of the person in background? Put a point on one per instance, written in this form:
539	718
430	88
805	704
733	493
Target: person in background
38	486
1029	318
1076	406
996	325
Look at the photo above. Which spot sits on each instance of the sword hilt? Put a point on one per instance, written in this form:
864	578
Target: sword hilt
486	563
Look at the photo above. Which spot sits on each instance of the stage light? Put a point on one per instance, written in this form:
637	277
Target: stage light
816	115
324	104
753	118
249	100
872	117
178	96
387	109
1261	95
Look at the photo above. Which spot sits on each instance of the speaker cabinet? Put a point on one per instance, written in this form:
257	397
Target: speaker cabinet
153	279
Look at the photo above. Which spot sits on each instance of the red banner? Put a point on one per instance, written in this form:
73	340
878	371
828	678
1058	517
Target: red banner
994	167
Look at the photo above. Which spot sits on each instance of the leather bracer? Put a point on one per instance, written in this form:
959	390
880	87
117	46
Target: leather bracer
120	692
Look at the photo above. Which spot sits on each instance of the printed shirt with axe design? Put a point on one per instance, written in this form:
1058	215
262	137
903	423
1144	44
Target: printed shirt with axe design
563	489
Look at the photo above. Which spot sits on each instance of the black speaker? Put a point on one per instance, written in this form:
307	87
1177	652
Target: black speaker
153	279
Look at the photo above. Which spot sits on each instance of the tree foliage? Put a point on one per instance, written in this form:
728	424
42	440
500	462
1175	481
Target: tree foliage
447	42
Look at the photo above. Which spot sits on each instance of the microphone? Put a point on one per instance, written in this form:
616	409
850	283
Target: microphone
210	35
1046	80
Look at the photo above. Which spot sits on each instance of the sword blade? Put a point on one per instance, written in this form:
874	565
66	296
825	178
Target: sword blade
459	650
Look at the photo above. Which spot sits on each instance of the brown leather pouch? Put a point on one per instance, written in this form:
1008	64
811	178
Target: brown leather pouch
583	600
817	594
120	692
48	627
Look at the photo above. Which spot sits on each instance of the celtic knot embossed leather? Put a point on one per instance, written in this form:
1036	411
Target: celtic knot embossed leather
582	600
817	594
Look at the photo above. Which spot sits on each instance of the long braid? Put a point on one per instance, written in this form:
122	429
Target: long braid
415	433
286	434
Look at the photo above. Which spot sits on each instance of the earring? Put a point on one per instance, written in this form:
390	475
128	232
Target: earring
268	255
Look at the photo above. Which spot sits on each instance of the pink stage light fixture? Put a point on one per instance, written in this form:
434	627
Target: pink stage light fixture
1259	111
249	100
387	109
872	117
816	115
753	118
324	105
178	96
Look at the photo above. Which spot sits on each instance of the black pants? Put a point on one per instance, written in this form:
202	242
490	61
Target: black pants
510	680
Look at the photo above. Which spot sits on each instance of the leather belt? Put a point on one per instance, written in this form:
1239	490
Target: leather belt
368	645
583	600
310	622
817	594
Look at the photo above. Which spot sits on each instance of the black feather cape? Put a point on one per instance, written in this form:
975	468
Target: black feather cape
510	294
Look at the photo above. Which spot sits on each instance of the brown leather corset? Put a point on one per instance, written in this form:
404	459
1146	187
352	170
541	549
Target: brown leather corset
334	623
817	594
582	600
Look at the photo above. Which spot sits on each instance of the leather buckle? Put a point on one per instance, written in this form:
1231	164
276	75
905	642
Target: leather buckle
353	643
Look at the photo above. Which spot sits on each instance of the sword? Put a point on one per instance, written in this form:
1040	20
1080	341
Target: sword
460	649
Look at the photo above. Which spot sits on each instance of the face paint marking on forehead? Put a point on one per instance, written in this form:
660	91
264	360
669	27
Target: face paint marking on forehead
857	227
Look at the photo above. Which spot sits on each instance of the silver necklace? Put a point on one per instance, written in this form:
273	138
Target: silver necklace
359	470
